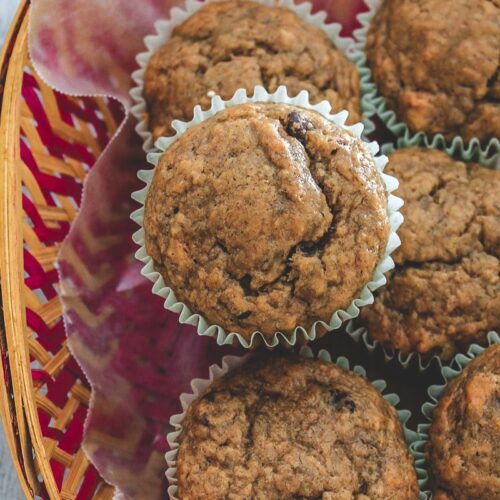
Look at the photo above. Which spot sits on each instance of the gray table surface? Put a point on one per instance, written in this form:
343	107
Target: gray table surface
9	484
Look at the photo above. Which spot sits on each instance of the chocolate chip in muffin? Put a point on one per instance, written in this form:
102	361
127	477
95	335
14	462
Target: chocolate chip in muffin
297	125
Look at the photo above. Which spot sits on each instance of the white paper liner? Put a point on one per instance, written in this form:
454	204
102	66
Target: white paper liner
199	388
372	103
460	152
460	361
163	31
338	317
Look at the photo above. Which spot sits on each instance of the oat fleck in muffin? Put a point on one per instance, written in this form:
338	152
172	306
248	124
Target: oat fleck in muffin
464	446
265	217
286	428
230	45
437	64
445	291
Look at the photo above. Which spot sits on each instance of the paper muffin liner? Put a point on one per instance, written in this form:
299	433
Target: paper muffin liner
200	386
449	373
165	27
338	317
460	152
372	103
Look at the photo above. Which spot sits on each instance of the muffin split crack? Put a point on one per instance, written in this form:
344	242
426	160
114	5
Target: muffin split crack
266	217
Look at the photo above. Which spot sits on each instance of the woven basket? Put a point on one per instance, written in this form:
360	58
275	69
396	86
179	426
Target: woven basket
48	143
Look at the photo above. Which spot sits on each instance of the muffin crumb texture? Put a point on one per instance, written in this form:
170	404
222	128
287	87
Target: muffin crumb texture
265	217
444	293
464	446
290	428
436	62
235	44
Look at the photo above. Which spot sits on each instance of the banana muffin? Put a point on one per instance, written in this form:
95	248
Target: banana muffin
444	293
236	44
464	438
290	427
265	217
436	62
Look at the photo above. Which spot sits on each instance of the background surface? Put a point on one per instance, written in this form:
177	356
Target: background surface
9	486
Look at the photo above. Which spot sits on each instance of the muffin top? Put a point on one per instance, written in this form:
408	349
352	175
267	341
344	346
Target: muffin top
235	44
289	427
436	63
265	217
464	447
445	291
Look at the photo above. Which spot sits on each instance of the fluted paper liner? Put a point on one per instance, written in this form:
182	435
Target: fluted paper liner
460	361
372	103
460	152
338	317
163	31
200	386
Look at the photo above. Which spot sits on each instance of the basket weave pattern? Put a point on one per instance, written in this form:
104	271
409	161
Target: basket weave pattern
60	138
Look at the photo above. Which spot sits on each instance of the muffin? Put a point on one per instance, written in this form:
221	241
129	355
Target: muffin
436	64
235	44
290	427
265	217
444	293
464	437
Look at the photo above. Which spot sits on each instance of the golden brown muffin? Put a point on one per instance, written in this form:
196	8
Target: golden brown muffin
445	291
464	446
265	217
436	62
287	428
236	44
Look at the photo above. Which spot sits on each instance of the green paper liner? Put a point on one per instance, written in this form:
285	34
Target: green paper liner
460	361
200	386
373	104
163	31
203	328
458	151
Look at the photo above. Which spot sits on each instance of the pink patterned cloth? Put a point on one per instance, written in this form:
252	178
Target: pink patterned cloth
135	354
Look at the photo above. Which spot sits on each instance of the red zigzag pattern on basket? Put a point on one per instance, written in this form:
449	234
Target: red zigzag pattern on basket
61	137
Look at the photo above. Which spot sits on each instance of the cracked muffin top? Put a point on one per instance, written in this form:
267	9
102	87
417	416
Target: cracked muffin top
464	446
444	293
265	217
235	44
289	427
437	64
